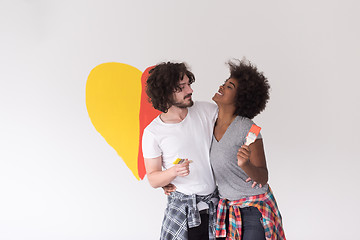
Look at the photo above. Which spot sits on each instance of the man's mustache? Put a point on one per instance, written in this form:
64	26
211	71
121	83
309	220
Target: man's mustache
187	96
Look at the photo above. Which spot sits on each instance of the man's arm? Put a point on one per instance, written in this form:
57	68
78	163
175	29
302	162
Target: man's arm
159	178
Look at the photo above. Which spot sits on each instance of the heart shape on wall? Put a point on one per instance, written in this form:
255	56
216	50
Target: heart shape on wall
118	108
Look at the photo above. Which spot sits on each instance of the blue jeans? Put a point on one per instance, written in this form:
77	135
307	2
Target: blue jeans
252	228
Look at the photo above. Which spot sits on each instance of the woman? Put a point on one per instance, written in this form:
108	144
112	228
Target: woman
250	209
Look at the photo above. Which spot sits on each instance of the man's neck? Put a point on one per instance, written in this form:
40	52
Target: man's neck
174	115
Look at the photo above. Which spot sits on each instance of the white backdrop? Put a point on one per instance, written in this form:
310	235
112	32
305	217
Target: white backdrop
59	179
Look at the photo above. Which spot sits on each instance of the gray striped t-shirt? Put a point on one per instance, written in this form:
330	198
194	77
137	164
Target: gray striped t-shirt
229	177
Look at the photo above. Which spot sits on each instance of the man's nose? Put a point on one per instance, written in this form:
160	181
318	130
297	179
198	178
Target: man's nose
189	89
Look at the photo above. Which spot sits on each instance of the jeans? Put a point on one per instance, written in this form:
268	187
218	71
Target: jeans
252	228
200	232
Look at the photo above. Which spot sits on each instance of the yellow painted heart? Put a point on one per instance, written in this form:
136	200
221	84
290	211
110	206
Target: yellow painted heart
119	110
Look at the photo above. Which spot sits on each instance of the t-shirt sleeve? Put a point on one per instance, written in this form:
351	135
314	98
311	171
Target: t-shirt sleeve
210	109
214	112
150	146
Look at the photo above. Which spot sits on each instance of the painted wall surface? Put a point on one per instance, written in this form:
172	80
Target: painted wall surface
59	177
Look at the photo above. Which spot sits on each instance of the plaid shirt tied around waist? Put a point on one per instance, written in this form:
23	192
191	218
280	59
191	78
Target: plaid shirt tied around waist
265	203
182	211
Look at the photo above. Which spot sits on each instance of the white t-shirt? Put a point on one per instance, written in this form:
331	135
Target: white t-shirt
191	138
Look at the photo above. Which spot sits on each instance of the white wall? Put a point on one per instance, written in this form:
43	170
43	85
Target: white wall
59	179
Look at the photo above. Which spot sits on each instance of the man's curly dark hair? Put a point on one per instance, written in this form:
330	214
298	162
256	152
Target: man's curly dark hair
163	81
253	88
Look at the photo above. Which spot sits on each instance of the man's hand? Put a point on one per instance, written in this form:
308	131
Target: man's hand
169	188
254	183
182	169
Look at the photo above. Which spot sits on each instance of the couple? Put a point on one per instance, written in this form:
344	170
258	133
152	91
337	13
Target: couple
210	138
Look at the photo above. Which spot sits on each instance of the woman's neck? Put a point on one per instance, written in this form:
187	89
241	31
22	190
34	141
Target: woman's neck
225	116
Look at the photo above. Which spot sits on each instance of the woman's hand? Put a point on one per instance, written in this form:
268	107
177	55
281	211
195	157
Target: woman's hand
243	156
169	188
252	161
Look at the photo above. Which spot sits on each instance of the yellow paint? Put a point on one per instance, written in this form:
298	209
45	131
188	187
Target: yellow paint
113	92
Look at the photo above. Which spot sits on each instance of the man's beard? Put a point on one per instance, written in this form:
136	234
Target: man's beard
183	104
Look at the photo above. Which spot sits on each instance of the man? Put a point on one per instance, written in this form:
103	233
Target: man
183	130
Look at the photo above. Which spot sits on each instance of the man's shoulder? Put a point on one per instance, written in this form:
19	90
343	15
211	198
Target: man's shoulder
153	124
205	106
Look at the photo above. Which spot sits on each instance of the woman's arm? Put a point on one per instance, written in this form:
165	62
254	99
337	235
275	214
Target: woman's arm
159	178
252	160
